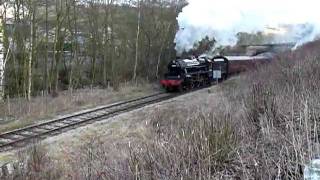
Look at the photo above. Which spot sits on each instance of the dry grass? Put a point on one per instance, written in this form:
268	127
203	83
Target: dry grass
170	147
281	106
33	163
16	113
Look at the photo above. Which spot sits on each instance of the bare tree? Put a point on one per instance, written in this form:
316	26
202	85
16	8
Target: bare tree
137	42
32	14
58	43
2	61
73	29
163	43
3	56
107	39
46	49
93	21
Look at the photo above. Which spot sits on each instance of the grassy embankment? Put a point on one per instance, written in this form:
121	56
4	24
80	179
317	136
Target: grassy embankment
18	112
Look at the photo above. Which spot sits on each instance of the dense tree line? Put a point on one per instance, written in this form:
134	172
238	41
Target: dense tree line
66	44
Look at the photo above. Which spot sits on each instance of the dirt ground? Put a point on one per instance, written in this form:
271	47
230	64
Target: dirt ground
122	127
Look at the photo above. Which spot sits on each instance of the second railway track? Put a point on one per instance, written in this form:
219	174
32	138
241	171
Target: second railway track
24	136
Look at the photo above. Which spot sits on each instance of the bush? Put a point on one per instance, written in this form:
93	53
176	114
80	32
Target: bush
34	163
282	103
183	146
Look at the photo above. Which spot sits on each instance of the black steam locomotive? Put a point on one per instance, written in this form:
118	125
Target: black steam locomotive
185	74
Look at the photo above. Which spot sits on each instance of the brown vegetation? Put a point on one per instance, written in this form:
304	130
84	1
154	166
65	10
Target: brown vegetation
16	113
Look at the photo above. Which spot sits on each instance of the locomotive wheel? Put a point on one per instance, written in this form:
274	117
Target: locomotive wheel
168	89
202	83
180	88
192	85
208	82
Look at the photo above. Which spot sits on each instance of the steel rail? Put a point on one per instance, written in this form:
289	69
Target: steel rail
75	115
27	134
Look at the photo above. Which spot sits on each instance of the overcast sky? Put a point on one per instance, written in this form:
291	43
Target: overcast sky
223	19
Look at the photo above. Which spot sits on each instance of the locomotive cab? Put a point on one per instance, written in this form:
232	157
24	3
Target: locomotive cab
220	68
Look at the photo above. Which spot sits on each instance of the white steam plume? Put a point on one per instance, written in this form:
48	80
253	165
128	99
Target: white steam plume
223	19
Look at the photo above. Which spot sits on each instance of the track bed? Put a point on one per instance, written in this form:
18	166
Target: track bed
30	134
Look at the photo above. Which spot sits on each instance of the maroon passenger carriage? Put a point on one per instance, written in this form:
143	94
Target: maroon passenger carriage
231	65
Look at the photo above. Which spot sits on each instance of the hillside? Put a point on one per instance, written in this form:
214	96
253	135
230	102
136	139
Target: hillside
266	128
261	125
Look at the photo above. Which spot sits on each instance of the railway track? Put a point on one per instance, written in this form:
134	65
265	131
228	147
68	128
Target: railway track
24	136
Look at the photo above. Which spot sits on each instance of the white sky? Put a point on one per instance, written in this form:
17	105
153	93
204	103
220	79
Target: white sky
227	13
224	18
